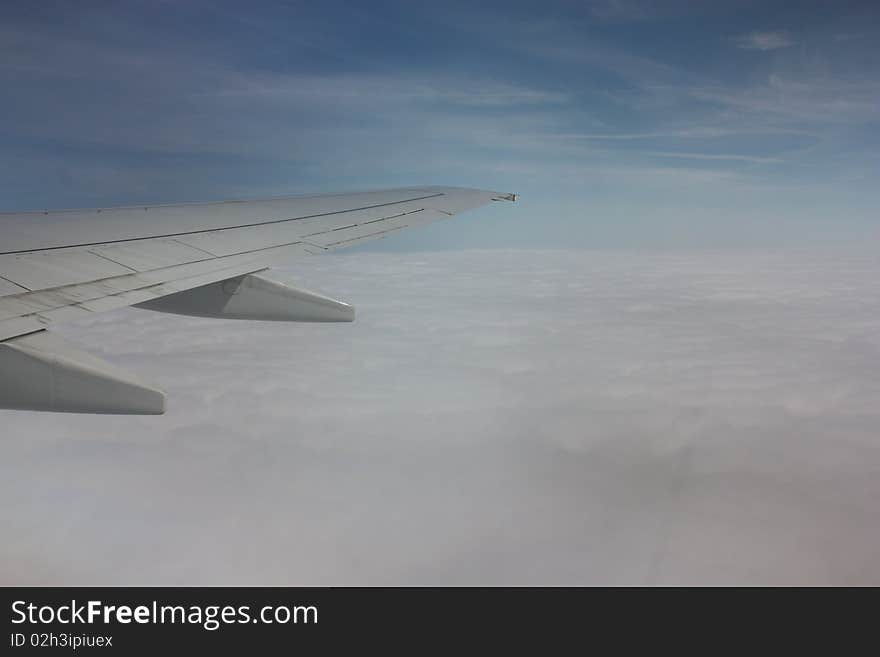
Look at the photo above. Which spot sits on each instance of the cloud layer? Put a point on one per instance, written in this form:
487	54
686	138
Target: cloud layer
493	417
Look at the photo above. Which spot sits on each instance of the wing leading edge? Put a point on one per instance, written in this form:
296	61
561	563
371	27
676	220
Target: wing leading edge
205	259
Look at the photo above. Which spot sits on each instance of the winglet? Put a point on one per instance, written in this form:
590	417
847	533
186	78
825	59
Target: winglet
505	197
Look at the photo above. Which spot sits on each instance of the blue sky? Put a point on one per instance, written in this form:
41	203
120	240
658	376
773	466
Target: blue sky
621	124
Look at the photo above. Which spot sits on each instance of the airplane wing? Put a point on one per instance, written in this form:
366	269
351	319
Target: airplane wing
204	259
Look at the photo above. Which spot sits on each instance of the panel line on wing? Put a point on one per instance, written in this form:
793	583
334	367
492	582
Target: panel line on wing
224	228
197	248
358	238
14	284
363	223
115	262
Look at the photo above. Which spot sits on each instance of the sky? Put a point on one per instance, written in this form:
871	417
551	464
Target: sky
659	366
621	124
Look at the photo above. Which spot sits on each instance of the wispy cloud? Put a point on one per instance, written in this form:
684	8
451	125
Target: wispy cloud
765	41
388	89
688	133
847	36
620	10
805	98
731	157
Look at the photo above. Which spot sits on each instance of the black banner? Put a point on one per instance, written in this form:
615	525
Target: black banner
151	619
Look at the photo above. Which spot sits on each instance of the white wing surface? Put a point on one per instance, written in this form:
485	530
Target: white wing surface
206	259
